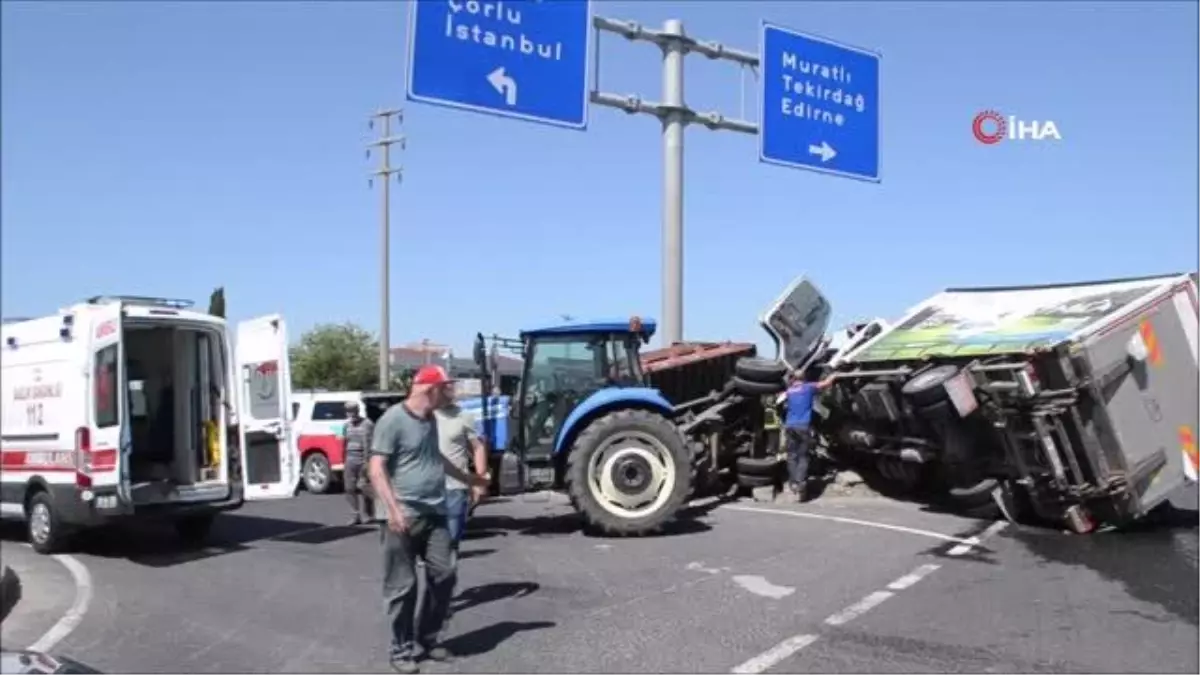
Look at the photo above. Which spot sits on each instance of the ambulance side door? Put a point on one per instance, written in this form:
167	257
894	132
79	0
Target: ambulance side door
107	441
270	458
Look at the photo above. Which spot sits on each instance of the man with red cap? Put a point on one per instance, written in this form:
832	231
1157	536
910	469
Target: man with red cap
408	473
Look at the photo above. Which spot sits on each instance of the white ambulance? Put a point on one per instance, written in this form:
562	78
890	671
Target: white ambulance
122	407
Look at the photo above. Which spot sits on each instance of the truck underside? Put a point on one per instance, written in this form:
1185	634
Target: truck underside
719	423
1081	428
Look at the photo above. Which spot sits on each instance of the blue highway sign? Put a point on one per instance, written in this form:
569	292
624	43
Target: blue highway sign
525	59
818	105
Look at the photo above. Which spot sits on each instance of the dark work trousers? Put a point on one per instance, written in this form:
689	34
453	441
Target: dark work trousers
427	538
353	477
798	440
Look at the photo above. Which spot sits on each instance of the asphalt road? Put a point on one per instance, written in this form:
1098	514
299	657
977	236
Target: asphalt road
843	584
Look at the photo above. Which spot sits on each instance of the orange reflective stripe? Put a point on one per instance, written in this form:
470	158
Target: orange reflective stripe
1187	439
1154	352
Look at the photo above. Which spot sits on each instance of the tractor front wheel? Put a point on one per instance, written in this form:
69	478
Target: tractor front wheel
629	473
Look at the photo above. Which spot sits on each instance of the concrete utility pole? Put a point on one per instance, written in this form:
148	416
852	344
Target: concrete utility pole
385	142
675	117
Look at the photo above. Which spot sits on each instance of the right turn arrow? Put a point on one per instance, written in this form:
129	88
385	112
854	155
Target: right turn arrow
824	150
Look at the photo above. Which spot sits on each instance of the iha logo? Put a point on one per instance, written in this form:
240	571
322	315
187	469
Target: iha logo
990	127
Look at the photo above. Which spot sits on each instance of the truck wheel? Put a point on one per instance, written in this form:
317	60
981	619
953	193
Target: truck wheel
43	525
974	496
769	467
752	388
904	476
760	370
752	481
193	530
318	477
629	472
926	388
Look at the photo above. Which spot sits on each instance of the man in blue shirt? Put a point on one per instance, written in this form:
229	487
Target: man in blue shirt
797	427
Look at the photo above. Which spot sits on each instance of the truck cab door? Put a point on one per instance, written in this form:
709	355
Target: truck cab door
797	321
270	457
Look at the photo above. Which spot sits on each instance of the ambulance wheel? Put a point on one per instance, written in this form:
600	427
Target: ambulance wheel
45	528
318	476
193	530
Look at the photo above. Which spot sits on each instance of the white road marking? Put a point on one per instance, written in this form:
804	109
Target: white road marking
854	521
699	567
794	644
912	577
859	608
760	586
971	542
74	615
775	654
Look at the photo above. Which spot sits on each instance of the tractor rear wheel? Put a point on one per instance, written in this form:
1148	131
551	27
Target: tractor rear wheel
629	473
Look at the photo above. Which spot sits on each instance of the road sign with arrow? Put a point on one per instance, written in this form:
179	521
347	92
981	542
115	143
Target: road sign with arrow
524	60
819	104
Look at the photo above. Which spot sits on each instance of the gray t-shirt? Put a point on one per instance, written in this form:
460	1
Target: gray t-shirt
456	438
357	436
414	462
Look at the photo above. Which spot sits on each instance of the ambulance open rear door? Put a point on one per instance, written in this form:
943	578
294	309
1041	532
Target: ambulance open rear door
270	459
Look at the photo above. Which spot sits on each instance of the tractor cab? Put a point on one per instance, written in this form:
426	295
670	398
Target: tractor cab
564	365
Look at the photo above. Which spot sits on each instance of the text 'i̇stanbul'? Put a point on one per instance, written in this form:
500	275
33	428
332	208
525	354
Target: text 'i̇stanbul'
496	25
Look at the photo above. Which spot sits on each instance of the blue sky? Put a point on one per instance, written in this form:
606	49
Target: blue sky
166	148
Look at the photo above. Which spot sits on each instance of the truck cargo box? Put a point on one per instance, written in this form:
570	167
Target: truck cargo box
1090	388
1008	320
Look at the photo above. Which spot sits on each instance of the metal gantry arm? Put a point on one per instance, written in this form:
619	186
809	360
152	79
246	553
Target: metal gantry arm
634	31
675	116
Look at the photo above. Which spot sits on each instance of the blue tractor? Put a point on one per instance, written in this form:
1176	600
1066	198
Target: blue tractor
630	437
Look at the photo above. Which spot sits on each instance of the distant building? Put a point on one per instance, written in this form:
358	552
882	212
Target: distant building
406	359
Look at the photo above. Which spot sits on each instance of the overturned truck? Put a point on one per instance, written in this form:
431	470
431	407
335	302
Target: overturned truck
1074	404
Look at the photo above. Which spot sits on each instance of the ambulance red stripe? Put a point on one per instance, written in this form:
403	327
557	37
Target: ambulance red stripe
54	460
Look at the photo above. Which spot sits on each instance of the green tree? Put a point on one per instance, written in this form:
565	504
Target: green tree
216	302
401	381
336	357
